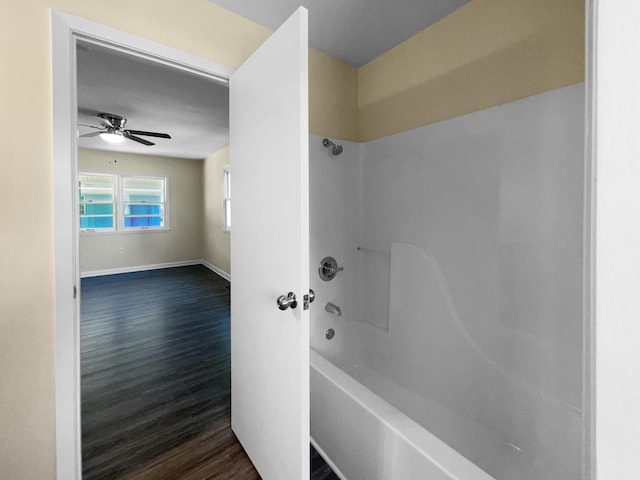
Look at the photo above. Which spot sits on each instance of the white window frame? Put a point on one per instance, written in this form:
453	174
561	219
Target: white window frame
119	205
121	202
114	177
226	199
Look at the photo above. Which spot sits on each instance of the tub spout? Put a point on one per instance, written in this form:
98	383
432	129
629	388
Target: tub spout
333	309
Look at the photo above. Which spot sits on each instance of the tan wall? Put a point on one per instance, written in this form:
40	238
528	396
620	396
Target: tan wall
183	241
487	53
27	417
335	89
216	243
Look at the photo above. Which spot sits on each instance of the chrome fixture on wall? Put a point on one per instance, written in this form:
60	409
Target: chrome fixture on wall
335	149
333	309
328	268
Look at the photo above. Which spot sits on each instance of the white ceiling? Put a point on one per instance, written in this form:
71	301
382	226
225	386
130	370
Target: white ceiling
153	97
354	31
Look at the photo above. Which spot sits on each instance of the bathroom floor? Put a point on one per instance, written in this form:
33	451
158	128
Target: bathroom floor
156	379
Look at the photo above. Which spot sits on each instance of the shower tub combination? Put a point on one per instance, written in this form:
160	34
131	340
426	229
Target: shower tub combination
373	416
455	352
363	437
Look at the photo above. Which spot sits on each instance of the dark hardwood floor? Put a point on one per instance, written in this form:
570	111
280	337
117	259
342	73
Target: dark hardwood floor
156	380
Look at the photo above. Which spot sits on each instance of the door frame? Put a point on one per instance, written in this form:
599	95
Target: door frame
66	30
613	217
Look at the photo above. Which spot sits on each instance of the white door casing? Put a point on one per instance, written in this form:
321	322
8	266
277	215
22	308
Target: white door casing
270	253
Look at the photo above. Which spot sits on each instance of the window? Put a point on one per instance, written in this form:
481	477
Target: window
118	203
97	202
143	201
226	201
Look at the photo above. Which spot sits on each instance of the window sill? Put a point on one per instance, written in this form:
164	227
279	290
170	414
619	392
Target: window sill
88	233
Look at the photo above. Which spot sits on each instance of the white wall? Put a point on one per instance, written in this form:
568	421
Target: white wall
486	311
182	242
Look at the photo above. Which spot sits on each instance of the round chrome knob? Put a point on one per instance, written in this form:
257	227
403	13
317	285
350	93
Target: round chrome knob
287	301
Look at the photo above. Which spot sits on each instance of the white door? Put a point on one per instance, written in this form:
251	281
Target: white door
270	253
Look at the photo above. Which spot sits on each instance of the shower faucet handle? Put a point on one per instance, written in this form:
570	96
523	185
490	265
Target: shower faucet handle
328	268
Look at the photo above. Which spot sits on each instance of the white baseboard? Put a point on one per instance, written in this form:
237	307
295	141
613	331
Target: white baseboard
155	266
213	268
138	268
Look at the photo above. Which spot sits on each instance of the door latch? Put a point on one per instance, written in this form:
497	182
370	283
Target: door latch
307	299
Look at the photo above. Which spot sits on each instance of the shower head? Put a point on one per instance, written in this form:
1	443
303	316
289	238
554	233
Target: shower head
335	149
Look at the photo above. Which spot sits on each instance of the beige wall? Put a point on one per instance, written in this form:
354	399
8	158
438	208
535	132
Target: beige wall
196	217
215	243
27	417
335	87
99	251
487	53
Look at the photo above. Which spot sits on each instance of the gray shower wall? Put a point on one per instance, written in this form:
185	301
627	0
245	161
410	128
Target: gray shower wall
334	222
495	199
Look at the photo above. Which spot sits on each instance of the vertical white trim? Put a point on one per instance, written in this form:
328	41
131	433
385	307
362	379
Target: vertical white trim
226	198
615	125
65	31
66	274
588	251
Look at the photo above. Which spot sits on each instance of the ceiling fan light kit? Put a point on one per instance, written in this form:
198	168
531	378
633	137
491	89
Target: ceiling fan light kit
113	131
112	136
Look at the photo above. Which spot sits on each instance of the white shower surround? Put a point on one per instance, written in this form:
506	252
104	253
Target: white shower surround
471	324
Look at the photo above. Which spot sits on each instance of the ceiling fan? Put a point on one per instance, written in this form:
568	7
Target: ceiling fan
113	131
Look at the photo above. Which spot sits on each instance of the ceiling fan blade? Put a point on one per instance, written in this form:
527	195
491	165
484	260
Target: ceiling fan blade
90	126
128	135
92	134
149	134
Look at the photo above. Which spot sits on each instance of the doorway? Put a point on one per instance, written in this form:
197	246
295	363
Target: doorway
287	49
67	31
155	379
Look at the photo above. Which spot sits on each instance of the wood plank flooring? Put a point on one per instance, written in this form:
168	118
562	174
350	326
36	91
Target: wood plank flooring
155	356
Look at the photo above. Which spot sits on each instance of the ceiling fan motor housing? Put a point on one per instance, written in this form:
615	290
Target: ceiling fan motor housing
116	120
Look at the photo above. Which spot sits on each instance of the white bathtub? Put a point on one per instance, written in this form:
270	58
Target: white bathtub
363	437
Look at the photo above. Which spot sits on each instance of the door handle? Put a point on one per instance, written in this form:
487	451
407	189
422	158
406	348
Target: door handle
286	301
289	300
